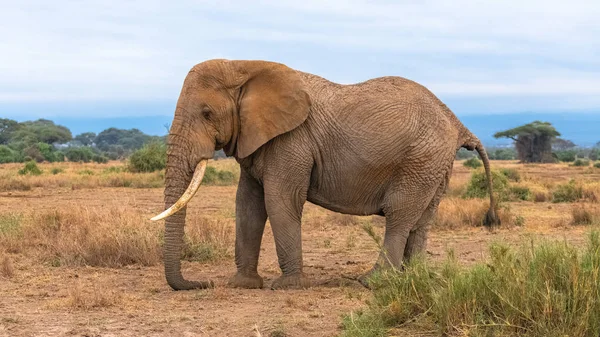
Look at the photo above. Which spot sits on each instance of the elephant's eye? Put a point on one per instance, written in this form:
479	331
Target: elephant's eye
206	112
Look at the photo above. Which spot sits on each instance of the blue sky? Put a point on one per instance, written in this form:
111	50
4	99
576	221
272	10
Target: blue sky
109	58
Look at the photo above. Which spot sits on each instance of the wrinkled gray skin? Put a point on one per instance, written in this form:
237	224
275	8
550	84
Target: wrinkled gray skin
385	146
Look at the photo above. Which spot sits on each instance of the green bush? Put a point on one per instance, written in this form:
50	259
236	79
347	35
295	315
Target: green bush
477	187
212	176
7	155
56	170
503	154
546	289
581	162
30	168
594	154
597	164
520	193
80	154
152	157
566	155
100	159
86	172
569	192
473	162
511	174
463	153
113	169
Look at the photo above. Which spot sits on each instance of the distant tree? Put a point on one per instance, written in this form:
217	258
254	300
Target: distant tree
533	141
42	130
86	138
7	128
129	139
560	144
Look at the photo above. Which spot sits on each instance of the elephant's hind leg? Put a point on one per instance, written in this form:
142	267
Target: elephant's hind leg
417	239
402	214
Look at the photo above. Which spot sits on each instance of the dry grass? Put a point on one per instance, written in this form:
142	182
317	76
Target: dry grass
585	214
342	219
84	298
106	237
6	268
456	213
90	176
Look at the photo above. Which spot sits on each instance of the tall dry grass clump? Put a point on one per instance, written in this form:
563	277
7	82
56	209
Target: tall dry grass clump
106	237
550	289
456	213
584	214
208	239
6	267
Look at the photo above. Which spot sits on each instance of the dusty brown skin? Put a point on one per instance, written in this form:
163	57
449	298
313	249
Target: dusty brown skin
385	146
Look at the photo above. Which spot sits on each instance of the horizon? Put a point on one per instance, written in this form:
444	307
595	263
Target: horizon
116	59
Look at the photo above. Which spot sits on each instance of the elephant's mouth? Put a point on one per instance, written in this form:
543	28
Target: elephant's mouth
188	194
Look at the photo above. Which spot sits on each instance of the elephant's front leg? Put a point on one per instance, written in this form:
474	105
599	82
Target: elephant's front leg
251	216
285	201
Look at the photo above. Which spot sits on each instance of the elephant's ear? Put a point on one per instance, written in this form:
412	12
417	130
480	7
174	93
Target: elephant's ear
272	101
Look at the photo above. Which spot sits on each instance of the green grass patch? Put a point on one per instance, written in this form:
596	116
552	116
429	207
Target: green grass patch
477	186
569	192
213	176
473	162
549	289
30	168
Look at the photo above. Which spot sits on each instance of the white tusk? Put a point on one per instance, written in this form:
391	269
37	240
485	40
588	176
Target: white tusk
188	194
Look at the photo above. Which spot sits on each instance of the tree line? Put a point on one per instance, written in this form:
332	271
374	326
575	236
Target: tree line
43	140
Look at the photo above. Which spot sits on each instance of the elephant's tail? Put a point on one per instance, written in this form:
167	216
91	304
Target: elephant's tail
491	218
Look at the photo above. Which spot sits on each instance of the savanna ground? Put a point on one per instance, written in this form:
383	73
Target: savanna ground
78	255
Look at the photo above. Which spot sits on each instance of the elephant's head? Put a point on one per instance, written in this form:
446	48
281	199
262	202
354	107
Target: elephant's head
237	106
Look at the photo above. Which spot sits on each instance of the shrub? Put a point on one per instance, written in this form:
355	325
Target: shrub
100	159
597	164
80	154
594	154
477	187
511	173
463	153
503	154
520	193
30	168
7	155
566	155
114	169
549	289
584	215
56	170
473	162
213	176
569	192
152	157
581	162
86	172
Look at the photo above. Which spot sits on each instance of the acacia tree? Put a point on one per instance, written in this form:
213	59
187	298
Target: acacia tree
533	141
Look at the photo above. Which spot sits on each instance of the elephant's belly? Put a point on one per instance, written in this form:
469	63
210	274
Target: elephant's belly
348	197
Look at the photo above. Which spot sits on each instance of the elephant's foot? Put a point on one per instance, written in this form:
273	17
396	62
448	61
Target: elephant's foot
294	281
240	280
364	278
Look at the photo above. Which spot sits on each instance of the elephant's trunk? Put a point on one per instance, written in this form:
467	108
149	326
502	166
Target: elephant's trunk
176	181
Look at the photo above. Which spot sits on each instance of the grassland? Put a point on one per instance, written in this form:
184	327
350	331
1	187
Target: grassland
79	256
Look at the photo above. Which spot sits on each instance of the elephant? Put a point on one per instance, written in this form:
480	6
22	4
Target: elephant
385	146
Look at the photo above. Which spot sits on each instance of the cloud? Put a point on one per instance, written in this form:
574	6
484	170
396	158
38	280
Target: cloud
141	50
